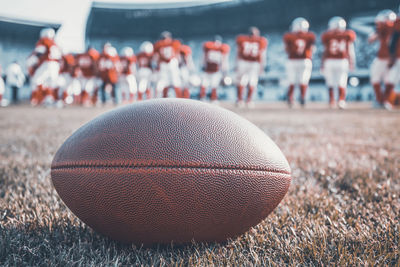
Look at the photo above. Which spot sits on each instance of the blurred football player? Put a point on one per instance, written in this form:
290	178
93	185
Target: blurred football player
109	67
88	70
299	44
44	66
166	55
145	69
394	64
69	90
215	66
186	67
338	58
127	80
384	23
3	102
251	60
15	79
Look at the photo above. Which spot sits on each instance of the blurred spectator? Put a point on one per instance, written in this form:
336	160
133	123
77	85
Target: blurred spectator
3	102
15	79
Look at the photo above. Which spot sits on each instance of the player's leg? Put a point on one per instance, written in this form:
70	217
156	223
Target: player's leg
185	82
329	81
215	82
343	73
305	70
254	72
132	87
205	82
175	77
392	79
37	85
54	72
291	78
84	97
242	81
14	94
2	91
377	72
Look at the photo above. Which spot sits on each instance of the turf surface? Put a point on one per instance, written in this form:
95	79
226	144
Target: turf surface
343	207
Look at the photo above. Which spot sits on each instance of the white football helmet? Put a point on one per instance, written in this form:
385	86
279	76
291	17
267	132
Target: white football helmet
300	25
127	52
254	31
166	35
386	15
109	49
146	47
337	23
47	33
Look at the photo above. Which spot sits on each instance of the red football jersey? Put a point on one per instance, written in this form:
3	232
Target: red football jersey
87	62
337	43
251	48
128	64
185	54
299	44
214	54
167	49
109	67
67	64
47	50
144	60
397	29
384	31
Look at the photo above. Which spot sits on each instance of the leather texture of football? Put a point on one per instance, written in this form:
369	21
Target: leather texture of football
170	170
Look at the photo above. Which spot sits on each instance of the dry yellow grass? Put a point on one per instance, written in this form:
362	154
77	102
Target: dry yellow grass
343	207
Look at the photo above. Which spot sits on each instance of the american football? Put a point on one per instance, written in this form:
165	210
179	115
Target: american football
136	173
199	133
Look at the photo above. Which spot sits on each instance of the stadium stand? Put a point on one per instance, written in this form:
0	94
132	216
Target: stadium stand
18	38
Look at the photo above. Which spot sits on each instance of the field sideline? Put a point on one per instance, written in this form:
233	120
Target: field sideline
342	208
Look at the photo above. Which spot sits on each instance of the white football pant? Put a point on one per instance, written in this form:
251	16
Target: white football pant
298	71
336	72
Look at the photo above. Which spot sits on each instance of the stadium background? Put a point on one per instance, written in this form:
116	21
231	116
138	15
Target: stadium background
130	24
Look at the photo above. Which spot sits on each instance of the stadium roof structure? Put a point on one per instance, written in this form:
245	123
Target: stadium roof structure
22	29
159	5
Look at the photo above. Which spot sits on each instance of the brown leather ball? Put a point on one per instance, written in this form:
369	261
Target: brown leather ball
170	170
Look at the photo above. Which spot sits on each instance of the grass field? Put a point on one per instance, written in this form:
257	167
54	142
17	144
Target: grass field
343	206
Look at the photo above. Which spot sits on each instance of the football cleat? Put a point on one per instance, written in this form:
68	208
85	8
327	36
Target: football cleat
250	105
337	23
300	25
240	104
342	104
387	105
